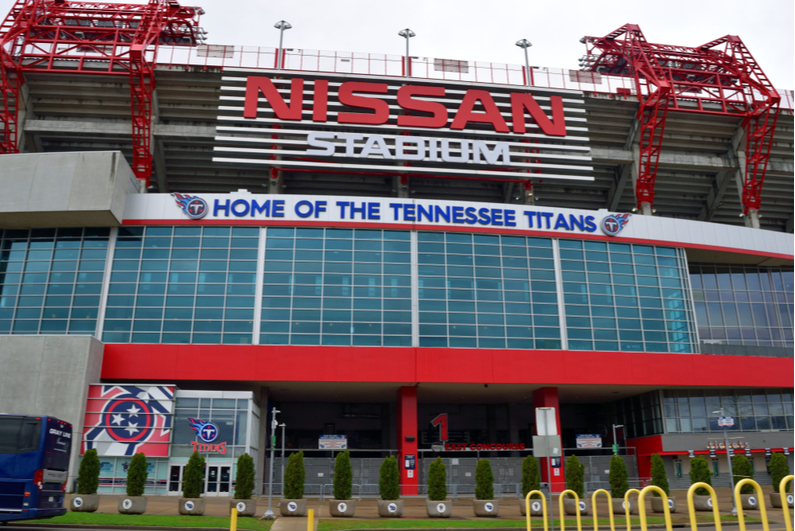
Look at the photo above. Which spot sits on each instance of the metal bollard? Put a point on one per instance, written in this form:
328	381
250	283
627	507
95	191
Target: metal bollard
609	508
233	520
738	503
563	511
626	506
642	507
691	508
543	508
782	489
310	524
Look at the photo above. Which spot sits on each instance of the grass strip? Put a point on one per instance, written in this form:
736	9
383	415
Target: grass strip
155	520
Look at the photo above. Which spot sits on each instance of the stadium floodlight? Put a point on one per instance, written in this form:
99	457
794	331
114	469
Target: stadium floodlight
407	34
525	44
281	26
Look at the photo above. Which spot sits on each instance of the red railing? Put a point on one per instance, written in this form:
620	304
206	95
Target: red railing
252	57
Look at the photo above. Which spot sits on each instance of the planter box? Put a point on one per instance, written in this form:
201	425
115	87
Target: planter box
342	507
244	507
132	505
390	508
619	509
84	503
191	506
657	504
775	499
571	509
486	507
749	501
702	503
536	507
289	507
439	509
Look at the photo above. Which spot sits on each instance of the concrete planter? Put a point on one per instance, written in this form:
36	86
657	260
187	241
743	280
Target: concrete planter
749	501
536	507
571	508
702	503
486	507
439	509
191	506
390	508
289	507
775	499
132	505
344	508
619	509
84	503
657	504
244	507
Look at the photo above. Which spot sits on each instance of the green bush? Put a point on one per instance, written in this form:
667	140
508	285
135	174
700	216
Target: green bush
779	469
437	481
531	478
343	476
658	476
389	480
136	475
244	479
484	481
618	477
575	473
742	469
193	479
699	471
88	475
294	476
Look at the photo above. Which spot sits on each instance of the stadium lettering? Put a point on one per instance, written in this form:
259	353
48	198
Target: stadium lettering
359	95
484	446
201	447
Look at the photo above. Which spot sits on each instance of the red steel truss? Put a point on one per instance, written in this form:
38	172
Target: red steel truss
91	38
720	77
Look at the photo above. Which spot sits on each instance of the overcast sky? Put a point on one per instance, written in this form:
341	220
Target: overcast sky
487	30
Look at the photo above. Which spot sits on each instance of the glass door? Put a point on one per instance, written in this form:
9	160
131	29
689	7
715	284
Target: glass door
175	480
218	480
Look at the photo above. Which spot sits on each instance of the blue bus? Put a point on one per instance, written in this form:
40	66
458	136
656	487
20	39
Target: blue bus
34	464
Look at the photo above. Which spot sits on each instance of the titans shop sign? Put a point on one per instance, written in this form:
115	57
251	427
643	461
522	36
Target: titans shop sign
122	420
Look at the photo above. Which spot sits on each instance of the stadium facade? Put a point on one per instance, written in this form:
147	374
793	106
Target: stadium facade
392	258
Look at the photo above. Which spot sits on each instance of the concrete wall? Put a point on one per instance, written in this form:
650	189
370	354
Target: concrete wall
49	375
64	189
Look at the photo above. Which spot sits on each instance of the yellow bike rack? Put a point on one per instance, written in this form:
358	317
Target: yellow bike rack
738	503
691	508
563	512
626	506
642	507
609	508
784	503
543	508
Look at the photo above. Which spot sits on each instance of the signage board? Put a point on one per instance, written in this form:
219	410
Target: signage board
725	422
547	446
345	124
333	442
546	421
484	447
593	440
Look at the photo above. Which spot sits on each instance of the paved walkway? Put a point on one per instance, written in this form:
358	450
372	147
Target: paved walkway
413	508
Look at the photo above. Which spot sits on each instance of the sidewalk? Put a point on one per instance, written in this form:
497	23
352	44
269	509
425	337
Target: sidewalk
367	508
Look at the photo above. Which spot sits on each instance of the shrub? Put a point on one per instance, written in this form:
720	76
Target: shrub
779	469
618	477
437	481
699	471
574	476
531	478
389	480
294	476
484	481
343	476
658	476
244	479
193	480
88	475
742	469
136	475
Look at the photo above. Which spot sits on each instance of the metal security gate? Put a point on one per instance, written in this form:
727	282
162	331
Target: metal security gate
461	475
597	471
320	476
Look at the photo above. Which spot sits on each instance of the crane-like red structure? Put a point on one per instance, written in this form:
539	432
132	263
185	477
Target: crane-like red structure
719	77
91	38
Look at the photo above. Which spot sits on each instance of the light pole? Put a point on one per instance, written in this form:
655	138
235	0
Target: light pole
281	26
283	425
407	33
728	457
615	441
274	424
524	43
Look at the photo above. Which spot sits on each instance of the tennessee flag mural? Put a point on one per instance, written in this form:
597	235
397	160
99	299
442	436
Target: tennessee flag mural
126	419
